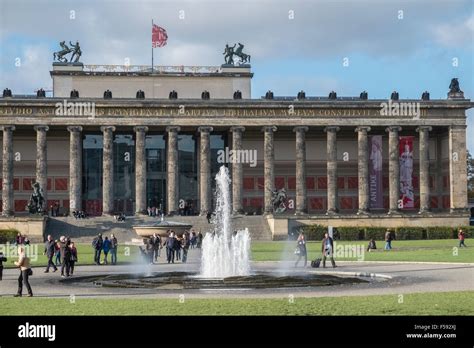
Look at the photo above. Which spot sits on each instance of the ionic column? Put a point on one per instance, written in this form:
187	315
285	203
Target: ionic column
269	167
332	168
140	169
458	168
172	168
108	170
301	207
42	162
205	169
75	168
237	172
7	171
363	168
393	168
424	168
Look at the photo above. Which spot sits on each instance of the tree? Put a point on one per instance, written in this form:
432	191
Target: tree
470	175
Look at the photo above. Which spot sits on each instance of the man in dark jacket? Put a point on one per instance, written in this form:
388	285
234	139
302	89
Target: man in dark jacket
327	248
62	250
170	247
2	260
155	241
49	251
97	245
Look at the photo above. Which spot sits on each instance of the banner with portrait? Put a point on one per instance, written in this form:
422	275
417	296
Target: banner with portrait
407	194
375	172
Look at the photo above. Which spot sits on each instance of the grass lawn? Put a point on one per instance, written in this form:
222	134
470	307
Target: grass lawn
448	303
441	250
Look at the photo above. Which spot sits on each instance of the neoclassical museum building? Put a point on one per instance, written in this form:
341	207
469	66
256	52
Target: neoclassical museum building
124	138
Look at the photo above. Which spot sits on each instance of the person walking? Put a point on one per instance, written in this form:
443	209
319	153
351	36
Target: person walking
327	248
57	253
67	258
199	239
2	260
106	248
156	244
113	249
25	272
300	250
177	247
185	242
62	251
170	248
97	245
461	237
73	259
49	251
388	240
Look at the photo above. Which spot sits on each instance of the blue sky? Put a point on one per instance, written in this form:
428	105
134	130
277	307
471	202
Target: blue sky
402	45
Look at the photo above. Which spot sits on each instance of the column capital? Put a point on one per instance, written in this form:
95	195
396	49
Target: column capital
393	129
173	128
332	129
140	129
236	129
269	129
205	129
424	128
107	128
7	128
362	129
300	129
41	128
73	129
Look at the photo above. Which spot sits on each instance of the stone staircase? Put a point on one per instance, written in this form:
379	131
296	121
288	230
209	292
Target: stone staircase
84	230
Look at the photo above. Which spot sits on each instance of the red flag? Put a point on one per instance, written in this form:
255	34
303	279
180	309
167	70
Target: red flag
158	36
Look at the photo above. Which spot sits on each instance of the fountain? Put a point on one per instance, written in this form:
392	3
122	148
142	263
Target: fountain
225	252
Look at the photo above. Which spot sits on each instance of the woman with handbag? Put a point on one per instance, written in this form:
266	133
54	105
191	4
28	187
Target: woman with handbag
25	271
300	250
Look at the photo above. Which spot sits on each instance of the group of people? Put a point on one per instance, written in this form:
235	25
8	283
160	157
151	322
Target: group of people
176	246
106	245
79	214
154	211
65	251
327	250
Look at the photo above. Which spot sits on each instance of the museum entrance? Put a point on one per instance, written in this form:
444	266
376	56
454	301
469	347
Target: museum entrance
155	146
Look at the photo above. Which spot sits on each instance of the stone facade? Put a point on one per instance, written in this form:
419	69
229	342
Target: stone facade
314	136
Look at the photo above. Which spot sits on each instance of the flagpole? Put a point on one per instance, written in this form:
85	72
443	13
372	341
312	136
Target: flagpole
152	45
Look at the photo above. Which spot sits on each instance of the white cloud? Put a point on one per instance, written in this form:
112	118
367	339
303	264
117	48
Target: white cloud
455	34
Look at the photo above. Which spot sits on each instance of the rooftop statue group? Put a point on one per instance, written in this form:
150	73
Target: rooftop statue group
230	52
65	49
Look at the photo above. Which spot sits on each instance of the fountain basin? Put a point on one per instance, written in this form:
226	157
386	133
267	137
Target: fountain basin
190	281
161	228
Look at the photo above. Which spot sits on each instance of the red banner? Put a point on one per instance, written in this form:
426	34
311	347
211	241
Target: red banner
375	172
158	36
407	195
